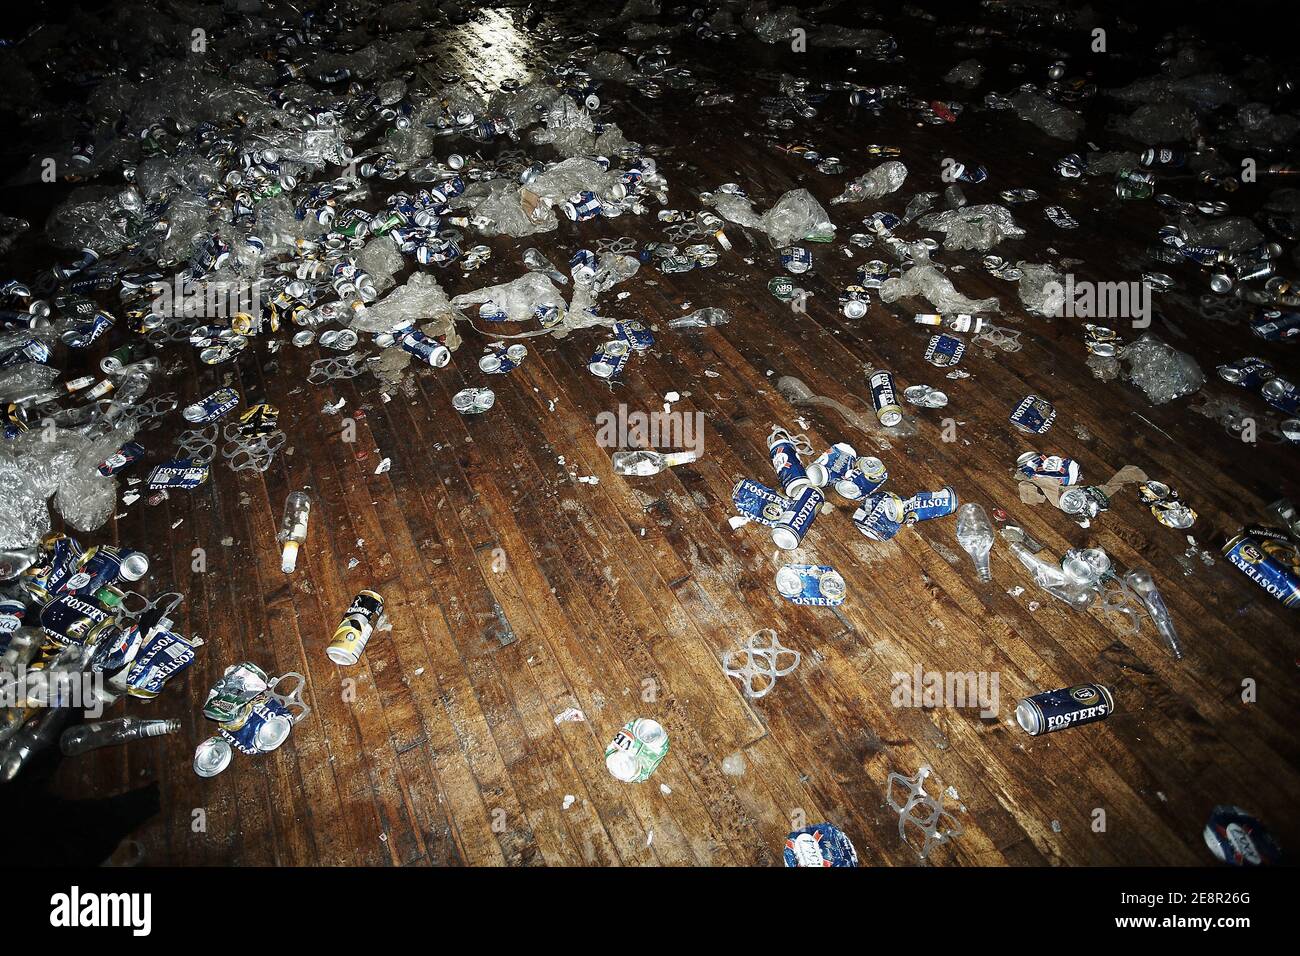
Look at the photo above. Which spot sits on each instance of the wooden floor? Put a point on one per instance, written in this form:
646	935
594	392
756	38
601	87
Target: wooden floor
618	597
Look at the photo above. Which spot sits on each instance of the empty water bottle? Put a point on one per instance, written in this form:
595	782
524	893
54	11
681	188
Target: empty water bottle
77	740
293	528
701	319
642	464
975	535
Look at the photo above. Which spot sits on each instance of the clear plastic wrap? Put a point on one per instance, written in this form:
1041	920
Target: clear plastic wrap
1052	118
884	179
973	227
1160	370
1042	288
929	283
520	299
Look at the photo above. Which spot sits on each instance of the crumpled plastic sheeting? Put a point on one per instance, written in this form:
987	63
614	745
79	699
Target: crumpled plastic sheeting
1261	125
1154	123
64	464
421	300
796	214
381	260
1234	233
1206	91
1110	163
1052	118
1160	370
1042	288
519	298
881	181
972	227
501	201
91	217
775	26
967	73
929	283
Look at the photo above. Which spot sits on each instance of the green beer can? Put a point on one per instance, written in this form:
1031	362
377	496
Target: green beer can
636	750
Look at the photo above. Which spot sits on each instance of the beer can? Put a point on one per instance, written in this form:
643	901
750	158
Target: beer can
353	632
211	757
637	750
795	521
884	398
1269	558
880	516
758	502
1056	710
867	475
820	845
811	585
609	359
925	505
784	455
1033	415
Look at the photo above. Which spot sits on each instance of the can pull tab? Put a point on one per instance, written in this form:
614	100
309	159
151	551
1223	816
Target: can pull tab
292	701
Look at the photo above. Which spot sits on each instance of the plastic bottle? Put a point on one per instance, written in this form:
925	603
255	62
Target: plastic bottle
1141	582
84	737
293	528
642	464
975	535
37	734
701	319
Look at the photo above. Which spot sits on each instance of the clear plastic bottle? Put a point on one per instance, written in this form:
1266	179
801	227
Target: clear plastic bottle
642	464
129	391
1145	587
293	528
701	319
975	535
103	733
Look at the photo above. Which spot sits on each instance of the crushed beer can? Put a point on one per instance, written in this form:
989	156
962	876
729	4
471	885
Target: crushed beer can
498	359
1249	372
833	465
128	454
179	473
473	401
820	845
880	516
609	359
1164	504
789	530
637	750
1235	837
211	407
811	585
1033	415
863	479
944	351
758	502
1064	471
1275	326
635	334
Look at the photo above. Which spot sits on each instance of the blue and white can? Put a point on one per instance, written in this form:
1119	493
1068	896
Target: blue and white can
789	531
925	505
635	334
944	350
759	502
583	266
783	452
796	259
833	465
863	479
500	358
585	205
811	585
212	407
179	473
266	727
820	845
1033	415
427	350
881	516
609	360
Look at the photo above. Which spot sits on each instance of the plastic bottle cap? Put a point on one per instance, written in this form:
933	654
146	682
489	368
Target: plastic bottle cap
289	557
